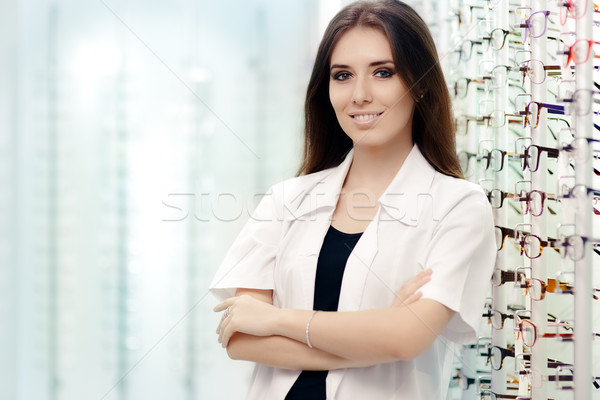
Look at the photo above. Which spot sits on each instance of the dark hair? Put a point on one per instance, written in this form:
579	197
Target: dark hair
415	57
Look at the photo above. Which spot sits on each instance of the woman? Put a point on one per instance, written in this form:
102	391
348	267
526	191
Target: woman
379	208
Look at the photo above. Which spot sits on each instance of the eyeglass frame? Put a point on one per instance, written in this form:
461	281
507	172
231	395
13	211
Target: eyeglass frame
526	70
471	8
507	68
552	286
572	149
503	195
569	5
461	52
469	156
467	119
502	276
471	381
552	109
525	197
570	52
509	351
490	36
503	316
565	244
572	102
552	153
489	156
527	25
468	80
504	119
504	353
520	322
522	238
505	232
557	377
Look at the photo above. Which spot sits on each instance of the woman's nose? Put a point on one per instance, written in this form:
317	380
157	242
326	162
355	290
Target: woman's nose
361	92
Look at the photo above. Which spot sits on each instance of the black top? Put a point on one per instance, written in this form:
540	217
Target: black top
334	254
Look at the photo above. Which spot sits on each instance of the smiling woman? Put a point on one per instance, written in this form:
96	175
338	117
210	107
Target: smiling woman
355	279
371	102
415	62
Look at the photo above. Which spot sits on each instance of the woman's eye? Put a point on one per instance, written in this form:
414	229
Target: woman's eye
383	73
341	76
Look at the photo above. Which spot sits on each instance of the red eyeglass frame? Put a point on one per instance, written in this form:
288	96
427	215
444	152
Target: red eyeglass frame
570	52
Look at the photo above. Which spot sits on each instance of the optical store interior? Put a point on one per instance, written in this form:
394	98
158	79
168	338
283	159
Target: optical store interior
120	120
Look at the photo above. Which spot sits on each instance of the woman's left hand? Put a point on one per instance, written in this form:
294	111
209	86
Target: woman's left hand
245	314
408	294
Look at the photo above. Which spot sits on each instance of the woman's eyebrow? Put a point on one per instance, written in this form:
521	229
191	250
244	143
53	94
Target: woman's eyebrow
373	64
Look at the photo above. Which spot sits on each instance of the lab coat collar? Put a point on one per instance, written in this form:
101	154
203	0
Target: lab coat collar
318	191
400	200
410	187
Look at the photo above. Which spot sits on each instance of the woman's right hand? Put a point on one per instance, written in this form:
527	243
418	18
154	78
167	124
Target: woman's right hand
408	293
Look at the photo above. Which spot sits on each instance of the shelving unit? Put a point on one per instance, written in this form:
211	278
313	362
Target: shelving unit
545	206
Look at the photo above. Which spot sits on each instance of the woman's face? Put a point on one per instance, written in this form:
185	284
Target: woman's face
372	104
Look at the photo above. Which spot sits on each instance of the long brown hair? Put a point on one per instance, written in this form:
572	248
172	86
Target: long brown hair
415	58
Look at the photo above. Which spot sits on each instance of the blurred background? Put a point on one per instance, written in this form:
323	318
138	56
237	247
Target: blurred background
135	138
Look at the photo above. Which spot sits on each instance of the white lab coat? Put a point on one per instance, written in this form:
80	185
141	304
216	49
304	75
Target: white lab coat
425	220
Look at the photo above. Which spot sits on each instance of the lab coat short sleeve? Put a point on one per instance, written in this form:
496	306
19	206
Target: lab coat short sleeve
250	261
462	254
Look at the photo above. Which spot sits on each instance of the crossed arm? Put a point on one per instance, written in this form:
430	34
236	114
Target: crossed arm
255	330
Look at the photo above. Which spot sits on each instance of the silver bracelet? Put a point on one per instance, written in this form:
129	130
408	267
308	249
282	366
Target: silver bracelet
308	329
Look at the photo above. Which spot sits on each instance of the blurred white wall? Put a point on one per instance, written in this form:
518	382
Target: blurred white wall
135	137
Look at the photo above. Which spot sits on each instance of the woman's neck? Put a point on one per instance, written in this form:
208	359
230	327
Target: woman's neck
374	169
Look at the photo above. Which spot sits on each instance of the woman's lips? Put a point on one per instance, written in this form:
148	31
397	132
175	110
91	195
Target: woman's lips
365	119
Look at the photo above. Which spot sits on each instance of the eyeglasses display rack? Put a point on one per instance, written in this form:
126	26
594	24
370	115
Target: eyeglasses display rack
526	87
